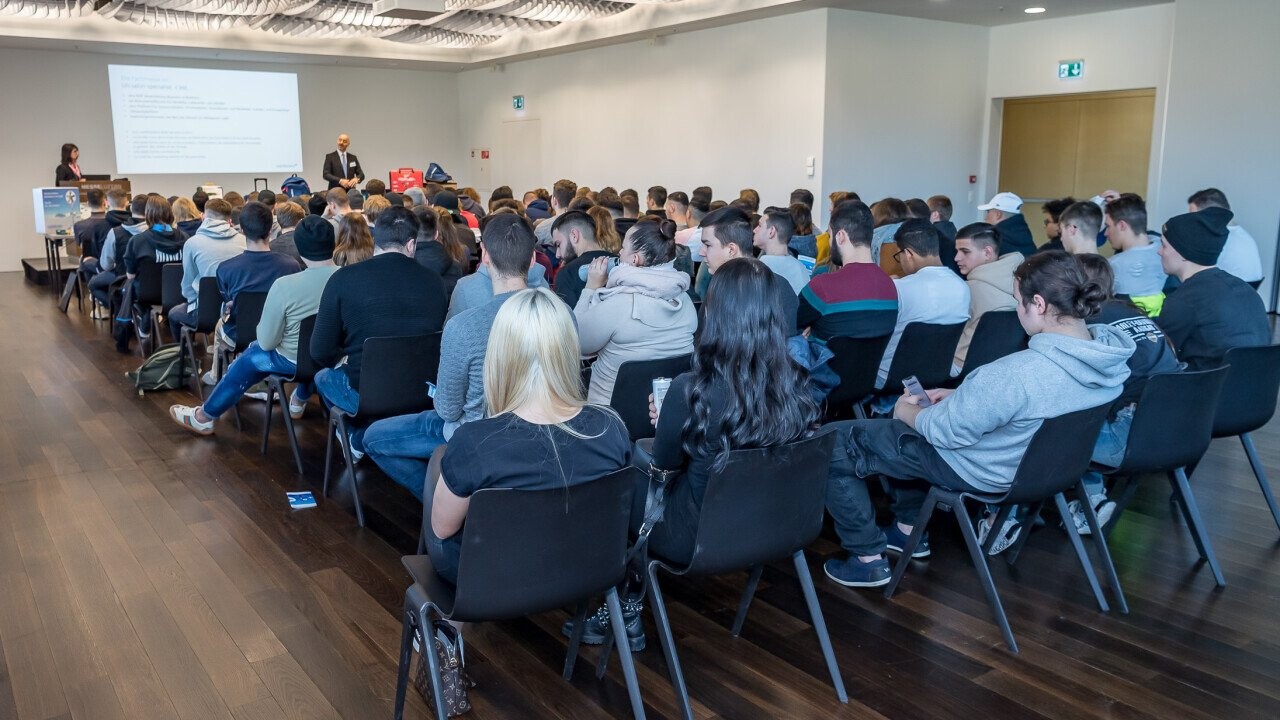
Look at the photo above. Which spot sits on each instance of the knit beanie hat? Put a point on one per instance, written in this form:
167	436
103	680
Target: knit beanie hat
446	200
1199	236
314	238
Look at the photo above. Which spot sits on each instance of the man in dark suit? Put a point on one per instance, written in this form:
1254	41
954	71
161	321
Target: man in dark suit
341	168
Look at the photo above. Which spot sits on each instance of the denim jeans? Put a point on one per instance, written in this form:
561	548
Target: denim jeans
252	367
179	315
402	447
445	553
98	285
335	389
1109	449
866	448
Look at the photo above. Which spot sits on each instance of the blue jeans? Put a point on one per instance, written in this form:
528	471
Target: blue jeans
252	367
402	446
866	448
335	389
1109	449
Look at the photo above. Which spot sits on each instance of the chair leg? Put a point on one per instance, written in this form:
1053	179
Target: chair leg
345	445
1178	502
819	623
668	643
904	559
433	663
745	603
289	428
624	653
266	413
406	656
1100	541
1196	525
575	639
1078	546
1011	555
1002	515
984	574
1261	475
328	454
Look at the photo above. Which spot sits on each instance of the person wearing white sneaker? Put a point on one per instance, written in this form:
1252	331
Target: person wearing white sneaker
291	299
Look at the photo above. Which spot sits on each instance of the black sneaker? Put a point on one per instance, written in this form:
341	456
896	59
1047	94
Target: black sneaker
596	628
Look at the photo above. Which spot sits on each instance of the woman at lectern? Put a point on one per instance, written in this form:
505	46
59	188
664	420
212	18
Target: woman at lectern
70	167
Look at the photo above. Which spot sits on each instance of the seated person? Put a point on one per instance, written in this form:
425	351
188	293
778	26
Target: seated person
858	300
940	215
111	259
439	248
770	237
1212	311
928	293
161	241
187	216
354	242
291	299
214	242
1136	264
1239	256
753	395
989	276
574	234
253	270
387	295
638	311
288	215
973	438
476	289
1152	355
90	231
727	235
539	434
1005	213
402	445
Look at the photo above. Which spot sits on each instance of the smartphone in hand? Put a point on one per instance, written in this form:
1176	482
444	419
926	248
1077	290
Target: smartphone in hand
912	384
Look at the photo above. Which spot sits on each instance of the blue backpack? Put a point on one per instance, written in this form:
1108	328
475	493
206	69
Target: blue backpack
293	186
435	173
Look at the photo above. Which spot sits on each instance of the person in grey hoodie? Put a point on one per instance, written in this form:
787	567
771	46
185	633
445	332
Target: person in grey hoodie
203	252
114	245
973	438
639	311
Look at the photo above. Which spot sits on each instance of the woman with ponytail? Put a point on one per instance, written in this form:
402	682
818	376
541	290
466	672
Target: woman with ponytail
638	310
973	438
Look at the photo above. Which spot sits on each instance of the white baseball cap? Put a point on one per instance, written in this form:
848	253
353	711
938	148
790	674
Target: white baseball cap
1004	202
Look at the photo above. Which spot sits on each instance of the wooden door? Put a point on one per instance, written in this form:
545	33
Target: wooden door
1074	145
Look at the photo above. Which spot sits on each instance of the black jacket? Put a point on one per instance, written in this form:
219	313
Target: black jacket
1015	236
161	245
432	255
64	173
89	233
333	168
947	243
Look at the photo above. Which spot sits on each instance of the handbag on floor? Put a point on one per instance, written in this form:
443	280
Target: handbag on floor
447	645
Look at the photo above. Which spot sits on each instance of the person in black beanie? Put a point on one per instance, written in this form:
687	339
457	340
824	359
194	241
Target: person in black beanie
1212	311
447	200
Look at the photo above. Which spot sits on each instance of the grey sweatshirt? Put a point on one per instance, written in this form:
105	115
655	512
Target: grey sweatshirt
985	426
460	381
107	259
476	289
203	252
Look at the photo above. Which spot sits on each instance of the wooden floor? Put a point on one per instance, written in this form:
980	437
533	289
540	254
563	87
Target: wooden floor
147	573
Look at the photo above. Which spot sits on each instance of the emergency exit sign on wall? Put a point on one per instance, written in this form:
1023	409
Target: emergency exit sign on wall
517	102
1070	69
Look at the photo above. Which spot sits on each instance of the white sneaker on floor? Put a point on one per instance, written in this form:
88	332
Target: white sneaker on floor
260	396
1103	507
296	407
1008	535
208	378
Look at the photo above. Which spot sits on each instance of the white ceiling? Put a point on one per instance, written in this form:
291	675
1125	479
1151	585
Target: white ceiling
988	12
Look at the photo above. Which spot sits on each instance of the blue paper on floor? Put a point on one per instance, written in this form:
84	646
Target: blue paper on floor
301	500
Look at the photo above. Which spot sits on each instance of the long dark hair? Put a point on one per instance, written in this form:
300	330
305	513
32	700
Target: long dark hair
743	349
1061	280
66	152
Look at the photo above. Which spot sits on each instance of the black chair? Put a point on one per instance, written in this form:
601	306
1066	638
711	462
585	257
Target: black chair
925	350
634	383
856	361
171	287
526	552
765	505
305	373
246	312
1247	402
1054	462
998	333
148	300
1255	284
208	311
1171	430
394	372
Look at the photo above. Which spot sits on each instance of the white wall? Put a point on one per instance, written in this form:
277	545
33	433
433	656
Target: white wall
1122	50
394	117
1223	114
727	107
904	106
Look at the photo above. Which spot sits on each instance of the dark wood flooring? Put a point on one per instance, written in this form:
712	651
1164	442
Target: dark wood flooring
148	573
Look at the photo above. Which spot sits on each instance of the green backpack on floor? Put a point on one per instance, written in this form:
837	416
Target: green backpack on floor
162	370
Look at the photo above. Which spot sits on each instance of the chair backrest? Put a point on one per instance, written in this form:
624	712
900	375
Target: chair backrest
998	333
1173	421
307	367
247	311
633	385
171	286
1057	456
766	504
926	351
856	361
148	282
208	305
526	551
1248	398
394	372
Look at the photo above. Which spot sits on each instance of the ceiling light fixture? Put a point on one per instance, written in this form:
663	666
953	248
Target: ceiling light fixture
1033	10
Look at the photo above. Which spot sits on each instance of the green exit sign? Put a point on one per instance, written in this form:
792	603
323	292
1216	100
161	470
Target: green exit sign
517	102
1070	69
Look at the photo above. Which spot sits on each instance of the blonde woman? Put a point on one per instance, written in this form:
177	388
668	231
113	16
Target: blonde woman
373	207
186	216
539	431
354	241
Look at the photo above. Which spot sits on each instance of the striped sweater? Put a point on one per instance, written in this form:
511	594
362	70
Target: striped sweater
858	300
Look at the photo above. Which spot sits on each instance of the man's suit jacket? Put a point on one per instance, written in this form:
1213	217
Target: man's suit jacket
333	168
